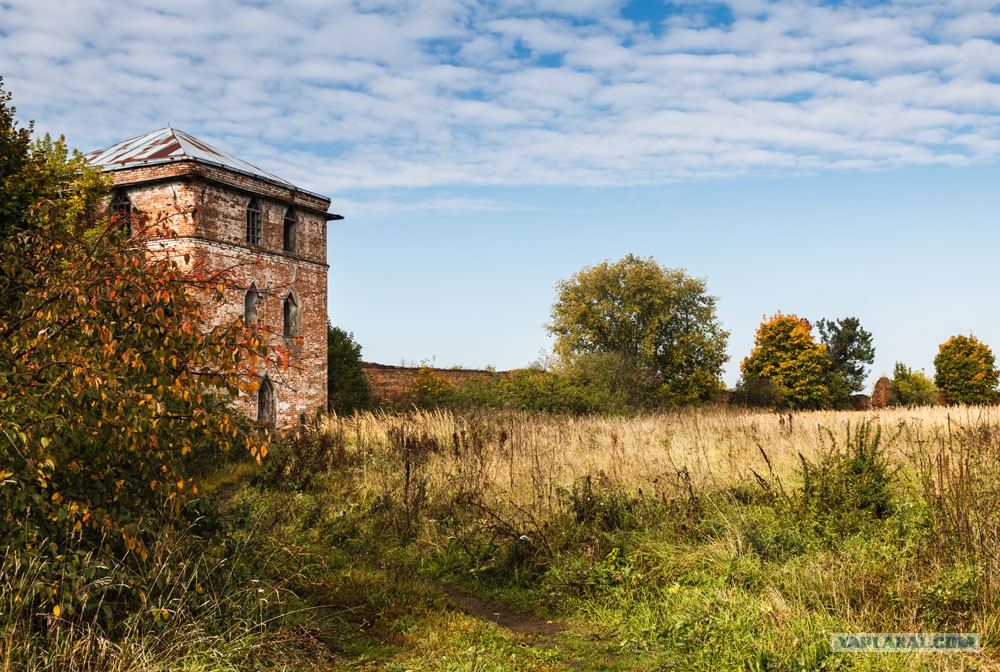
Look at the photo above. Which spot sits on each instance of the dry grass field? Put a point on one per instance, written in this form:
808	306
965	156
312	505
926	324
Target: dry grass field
523	458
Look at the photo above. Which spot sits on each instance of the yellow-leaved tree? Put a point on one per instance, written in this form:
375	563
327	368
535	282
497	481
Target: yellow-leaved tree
787	359
965	370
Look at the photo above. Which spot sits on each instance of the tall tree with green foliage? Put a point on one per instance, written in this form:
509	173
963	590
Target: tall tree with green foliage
851	352
786	354
20	170
658	318
346	386
965	370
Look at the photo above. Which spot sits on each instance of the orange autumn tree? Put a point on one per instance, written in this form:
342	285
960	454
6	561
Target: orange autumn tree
786	356
109	388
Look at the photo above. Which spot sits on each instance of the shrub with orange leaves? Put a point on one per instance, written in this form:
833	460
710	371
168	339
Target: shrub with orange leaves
109	389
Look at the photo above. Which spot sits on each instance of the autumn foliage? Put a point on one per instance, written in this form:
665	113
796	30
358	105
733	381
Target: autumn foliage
965	370
109	391
787	356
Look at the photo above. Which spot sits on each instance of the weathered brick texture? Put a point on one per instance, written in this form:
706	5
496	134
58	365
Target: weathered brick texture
394	384
205	207
882	394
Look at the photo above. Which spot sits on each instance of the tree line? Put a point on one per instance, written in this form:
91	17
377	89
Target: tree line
634	335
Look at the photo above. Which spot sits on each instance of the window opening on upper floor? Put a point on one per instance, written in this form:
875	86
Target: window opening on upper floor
253	222
291	231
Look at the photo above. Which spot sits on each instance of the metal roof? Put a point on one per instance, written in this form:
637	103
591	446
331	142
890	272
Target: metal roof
168	145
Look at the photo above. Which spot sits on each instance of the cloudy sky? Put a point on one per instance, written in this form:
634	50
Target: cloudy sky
820	158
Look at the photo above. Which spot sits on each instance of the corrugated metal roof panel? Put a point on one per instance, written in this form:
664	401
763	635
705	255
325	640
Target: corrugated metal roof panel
169	144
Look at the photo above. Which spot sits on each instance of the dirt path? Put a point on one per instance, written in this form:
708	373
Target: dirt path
521	623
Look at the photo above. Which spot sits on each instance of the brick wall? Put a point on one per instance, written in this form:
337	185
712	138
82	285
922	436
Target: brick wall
193	169
392	384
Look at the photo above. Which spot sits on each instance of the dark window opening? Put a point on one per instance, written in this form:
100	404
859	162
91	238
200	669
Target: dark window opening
253	222
265	402
120	210
291	231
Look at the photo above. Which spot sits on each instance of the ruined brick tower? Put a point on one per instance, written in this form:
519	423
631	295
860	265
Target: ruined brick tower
228	213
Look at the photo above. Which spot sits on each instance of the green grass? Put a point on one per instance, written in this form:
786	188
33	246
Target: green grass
342	550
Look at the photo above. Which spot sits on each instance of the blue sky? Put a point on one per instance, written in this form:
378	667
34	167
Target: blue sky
819	158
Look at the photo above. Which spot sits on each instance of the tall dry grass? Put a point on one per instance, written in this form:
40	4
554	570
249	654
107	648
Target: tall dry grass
523	469
523	457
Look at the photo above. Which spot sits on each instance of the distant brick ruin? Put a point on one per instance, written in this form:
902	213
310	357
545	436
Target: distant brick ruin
882	394
227	213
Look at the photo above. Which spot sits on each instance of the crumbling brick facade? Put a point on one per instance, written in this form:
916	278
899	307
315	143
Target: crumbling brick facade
205	206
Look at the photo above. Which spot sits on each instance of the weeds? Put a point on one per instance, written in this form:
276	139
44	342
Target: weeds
850	485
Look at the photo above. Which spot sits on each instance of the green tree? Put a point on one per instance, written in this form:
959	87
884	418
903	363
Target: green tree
20	170
912	388
786	354
109	390
659	318
347	388
964	369
849	347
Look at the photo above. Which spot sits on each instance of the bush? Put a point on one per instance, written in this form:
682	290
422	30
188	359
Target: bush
592	383
755	392
851	485
429	388
478	393
598	503
912	388
610	381
298	460
537	390
110	393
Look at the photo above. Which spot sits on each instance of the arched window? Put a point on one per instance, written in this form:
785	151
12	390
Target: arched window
266	402
253	222
291	231
291	310
121	211
250	302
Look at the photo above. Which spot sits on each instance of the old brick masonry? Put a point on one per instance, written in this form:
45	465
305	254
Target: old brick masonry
206	207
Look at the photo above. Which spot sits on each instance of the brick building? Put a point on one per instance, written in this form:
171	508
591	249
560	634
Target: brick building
227	213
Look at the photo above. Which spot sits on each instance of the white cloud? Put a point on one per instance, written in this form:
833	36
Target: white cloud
369	94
